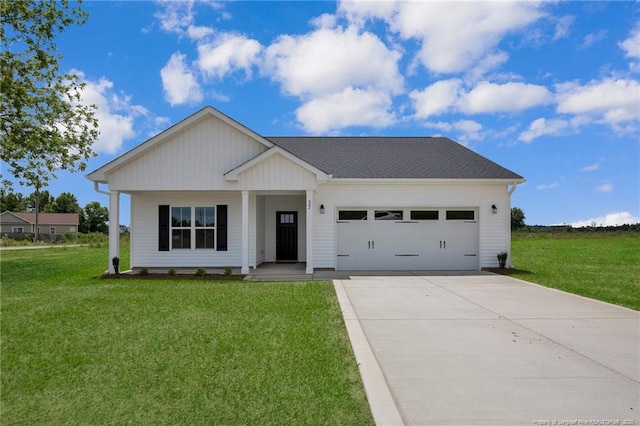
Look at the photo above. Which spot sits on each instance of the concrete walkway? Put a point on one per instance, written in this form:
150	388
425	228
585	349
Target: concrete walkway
486	349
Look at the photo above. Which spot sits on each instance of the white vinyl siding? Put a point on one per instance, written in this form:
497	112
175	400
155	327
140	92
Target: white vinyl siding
492	228
144	230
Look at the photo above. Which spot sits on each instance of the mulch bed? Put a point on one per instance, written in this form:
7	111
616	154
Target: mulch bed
507	271
156	276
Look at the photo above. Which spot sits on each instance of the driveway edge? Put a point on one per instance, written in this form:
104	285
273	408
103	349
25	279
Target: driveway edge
381	402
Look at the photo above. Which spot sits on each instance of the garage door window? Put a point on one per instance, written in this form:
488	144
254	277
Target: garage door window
352	215
460	215
388	214
424	214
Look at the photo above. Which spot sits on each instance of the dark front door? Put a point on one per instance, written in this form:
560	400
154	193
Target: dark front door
286	236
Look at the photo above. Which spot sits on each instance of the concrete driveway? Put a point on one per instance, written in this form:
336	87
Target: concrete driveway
485	349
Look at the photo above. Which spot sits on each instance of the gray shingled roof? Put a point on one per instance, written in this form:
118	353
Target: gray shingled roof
393	157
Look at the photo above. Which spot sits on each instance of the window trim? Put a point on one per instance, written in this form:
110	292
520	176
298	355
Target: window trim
378	215
427	212
193	229
204	227
366	215
459	214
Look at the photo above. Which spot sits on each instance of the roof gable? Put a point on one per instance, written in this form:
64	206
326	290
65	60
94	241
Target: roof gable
264	156
99	175
393	158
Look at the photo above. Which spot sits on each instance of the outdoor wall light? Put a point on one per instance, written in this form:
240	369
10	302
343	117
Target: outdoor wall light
321	208
494	209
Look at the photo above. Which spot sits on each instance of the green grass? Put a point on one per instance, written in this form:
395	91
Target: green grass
82	350
602	266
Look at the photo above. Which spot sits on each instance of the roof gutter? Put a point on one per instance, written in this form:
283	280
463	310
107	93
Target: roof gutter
96	187
514	186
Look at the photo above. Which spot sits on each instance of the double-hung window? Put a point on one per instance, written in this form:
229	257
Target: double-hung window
205	223
193	227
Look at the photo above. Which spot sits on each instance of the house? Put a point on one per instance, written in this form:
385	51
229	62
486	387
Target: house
209	192
48	223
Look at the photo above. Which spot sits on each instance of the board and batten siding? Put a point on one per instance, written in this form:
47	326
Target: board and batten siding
276	173
493	234
144	230
194	159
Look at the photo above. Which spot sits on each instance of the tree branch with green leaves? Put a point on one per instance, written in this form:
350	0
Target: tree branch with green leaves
44	125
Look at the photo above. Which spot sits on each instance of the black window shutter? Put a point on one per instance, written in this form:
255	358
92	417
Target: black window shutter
221	238
163	230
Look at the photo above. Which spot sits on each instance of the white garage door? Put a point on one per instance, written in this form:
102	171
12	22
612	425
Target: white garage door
403	239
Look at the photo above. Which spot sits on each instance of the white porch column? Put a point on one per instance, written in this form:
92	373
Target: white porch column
114	228
245	233
309	209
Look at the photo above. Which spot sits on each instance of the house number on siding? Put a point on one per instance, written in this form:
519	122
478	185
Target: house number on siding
309	206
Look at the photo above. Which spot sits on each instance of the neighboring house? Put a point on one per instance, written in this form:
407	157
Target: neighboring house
209	192
48	223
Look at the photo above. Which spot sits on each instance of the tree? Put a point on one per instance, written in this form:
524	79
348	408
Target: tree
64	203
44	127
45	200
12	202
517	218
96	217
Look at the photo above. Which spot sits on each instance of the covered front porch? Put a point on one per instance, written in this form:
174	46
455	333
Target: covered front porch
262	227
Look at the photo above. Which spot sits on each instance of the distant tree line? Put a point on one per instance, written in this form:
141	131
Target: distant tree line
93	217
517	224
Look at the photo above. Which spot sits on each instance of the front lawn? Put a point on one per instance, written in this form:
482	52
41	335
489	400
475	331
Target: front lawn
604	266
82	350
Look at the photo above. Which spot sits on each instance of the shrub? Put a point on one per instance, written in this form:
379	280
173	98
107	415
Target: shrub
172	271
201	272
143	271
228	271
502	259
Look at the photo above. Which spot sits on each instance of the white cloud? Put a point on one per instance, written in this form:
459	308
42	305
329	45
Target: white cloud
509	97
562	26
449	96
175	16
179	83
592	38
609	101
351	107
197	32
551	127
228	53
437	98
465	130
611	219
326	20
605	188
591	167
547	186
631	45
116	114
327	61
454	36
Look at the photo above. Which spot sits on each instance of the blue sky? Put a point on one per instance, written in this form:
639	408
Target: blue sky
548	89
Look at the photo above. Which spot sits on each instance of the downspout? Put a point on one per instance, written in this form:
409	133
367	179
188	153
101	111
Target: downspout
508	215
97	189
110	266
